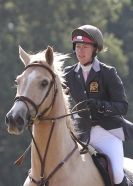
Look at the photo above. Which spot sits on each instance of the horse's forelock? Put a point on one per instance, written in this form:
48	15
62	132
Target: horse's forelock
40	56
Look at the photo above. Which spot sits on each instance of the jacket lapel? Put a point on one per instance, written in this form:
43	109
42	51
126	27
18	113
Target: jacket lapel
79	77
94	71
91	76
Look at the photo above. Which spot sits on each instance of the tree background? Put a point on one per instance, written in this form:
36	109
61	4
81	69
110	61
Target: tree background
34	24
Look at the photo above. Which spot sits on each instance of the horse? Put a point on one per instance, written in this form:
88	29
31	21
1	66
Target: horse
42	106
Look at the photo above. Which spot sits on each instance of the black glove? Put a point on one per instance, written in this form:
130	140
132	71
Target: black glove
92	103
107	108
96	104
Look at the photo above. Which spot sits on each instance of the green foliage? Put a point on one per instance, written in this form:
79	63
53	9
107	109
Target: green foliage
115	55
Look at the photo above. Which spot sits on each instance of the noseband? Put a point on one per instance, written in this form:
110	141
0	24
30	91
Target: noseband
44	181
31	102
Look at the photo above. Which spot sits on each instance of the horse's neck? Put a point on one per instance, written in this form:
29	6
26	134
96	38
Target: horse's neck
60	143
60	146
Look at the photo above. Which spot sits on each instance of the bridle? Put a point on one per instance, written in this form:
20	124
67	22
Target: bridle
44	181
31	102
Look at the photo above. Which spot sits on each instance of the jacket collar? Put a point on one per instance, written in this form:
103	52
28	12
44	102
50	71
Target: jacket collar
95	65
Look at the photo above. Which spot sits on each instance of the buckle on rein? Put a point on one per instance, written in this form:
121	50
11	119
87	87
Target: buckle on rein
42	182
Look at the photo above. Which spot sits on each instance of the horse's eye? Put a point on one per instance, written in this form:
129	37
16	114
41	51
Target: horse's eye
44	83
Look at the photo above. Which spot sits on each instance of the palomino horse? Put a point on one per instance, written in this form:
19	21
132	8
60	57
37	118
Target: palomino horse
40	101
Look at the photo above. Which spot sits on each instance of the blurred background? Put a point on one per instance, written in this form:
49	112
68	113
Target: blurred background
34	24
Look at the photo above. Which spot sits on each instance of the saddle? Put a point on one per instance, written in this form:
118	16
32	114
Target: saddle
128	169
102	163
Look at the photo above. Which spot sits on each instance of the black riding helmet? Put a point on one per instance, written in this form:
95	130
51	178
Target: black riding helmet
88	34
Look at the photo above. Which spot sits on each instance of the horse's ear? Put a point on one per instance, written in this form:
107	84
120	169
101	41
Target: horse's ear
49	55
24	56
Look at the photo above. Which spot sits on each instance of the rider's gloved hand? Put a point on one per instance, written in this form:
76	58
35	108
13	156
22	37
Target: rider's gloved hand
96	104
92	103
107	108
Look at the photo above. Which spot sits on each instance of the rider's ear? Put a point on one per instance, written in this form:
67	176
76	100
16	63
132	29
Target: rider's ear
25	57
49	55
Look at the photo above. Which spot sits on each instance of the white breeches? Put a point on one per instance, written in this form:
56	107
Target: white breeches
105	141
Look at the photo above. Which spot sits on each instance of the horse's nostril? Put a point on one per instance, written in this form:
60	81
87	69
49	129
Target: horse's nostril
16	121
20	122
6	120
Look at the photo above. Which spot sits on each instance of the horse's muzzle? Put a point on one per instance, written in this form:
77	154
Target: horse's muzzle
15	124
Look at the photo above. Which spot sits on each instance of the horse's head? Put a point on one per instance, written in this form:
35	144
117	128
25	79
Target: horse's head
36	90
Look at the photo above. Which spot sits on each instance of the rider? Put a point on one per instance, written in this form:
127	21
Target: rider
99	84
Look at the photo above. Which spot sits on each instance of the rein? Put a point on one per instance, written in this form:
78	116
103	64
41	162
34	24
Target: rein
31	102
44	180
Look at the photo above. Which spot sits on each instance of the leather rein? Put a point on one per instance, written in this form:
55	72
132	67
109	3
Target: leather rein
44	180
31	102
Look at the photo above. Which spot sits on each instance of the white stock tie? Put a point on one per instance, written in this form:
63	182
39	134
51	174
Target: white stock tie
85	71
85	75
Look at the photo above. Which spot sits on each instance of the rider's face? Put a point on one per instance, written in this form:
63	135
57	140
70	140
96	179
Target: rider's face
84	52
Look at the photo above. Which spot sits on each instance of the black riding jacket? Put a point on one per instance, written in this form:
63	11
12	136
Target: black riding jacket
103	85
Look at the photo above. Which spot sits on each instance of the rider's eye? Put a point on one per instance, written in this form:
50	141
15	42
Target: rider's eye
44	83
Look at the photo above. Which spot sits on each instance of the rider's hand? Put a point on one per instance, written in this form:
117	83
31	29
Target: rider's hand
92	103
96	104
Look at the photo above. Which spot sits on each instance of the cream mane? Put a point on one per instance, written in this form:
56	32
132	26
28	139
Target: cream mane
52	144
56	67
